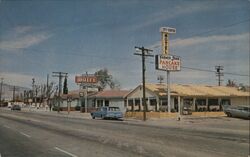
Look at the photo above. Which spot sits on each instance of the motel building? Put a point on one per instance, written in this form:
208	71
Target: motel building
193	98
95	99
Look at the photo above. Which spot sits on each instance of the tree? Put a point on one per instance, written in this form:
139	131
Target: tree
105	79
50	90
65	86
231	83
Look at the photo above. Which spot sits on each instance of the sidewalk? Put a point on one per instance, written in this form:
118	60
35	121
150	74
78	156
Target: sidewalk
71	114
78	114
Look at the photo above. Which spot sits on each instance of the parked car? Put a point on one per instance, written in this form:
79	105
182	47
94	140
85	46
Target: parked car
237	111
16	107
107	113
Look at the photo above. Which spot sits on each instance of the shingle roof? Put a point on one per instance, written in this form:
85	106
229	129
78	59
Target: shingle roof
196	90
111	94
74	94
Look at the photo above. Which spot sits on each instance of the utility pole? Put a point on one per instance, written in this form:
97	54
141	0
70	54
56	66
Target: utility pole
47	91
60	75
144	53
33	89
219	74
1	88
86	97
14	90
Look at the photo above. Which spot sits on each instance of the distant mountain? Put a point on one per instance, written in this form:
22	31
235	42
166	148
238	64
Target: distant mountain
7	91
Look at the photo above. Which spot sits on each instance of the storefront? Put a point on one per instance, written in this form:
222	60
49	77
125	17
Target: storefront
190	97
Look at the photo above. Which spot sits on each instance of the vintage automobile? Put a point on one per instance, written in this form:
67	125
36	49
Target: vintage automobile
107	113
237	111
16	107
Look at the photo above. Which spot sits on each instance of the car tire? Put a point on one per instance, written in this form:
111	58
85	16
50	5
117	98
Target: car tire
229	114
93	117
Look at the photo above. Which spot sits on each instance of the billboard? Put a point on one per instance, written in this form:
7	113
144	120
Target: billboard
86	79
167	63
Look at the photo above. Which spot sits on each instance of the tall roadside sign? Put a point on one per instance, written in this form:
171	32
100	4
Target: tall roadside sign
165	61
85	81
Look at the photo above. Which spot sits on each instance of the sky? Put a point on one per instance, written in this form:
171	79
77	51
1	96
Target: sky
78	36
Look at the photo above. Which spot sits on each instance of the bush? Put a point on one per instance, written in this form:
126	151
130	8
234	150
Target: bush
78	108
55	108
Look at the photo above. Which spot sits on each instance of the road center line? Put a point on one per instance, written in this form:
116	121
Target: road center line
25	134
6	127
70	154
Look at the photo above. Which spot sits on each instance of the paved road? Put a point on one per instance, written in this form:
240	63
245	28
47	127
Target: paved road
33	134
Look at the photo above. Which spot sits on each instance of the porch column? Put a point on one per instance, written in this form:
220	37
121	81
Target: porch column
133	104
148	105
127	106
141	105
157	104
207	104
219	103
193	105
179	107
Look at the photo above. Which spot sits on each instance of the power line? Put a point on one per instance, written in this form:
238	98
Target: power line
217	29
206	70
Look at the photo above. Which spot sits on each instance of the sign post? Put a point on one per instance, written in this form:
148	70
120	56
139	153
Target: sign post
85	80
69	99
165	31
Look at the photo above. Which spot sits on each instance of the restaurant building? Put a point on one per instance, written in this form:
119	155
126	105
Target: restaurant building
189	97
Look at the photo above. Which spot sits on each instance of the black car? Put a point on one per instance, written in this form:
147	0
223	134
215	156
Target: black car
16	107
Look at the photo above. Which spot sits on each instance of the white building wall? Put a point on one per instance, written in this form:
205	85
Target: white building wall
139	94
74	103
117	103
242	101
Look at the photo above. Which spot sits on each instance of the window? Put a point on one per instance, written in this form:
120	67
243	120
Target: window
200	105
213	105
164	102
106	103
213	102
153	102
114	109
99	103
200	102
137	102
130	102
225	102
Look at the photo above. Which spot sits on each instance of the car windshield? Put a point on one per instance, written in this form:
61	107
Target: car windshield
246	109
114	109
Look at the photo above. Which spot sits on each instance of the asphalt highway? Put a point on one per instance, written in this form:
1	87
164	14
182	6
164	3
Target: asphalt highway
24	134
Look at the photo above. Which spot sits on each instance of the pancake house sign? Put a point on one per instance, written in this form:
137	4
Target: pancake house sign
86	79
167	63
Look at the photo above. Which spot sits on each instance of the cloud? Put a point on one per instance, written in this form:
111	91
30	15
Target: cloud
231	51
194	41
24	41
169	13
200	40
23	29
22	80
